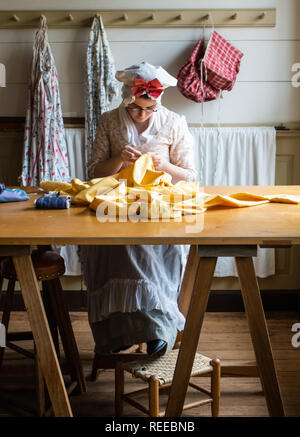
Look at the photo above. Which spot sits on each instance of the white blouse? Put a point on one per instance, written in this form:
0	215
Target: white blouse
167	135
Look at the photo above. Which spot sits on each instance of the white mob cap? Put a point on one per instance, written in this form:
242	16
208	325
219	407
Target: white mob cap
144	74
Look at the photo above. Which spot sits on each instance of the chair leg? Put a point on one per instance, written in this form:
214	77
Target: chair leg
95	367
119	388
50	311
7	307
215	386
153	397
66	333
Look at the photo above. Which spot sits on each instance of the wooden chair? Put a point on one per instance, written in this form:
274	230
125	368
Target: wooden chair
158	373
49	266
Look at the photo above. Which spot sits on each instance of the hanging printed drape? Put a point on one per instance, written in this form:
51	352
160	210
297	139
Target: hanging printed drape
101	85
45	154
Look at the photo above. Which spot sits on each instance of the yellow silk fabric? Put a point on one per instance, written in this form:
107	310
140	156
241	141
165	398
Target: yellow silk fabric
141	189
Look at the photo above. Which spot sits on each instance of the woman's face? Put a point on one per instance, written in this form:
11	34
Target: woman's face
141	109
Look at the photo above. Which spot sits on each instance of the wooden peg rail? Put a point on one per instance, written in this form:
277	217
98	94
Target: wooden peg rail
141	18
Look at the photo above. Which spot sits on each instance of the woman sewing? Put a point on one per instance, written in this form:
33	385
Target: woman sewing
133	289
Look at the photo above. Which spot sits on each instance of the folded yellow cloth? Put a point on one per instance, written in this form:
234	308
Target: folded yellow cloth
141	190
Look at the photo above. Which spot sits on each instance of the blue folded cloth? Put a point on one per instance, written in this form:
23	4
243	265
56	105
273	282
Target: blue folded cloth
13	195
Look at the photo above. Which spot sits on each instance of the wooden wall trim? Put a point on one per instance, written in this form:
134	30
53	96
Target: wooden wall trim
140	18
16	124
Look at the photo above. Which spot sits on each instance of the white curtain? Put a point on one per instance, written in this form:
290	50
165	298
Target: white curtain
237	156
224	156
75	147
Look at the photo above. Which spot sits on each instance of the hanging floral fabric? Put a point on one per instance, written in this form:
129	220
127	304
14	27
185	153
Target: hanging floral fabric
101	85
45	154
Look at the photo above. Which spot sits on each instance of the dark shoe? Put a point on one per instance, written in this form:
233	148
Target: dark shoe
156	347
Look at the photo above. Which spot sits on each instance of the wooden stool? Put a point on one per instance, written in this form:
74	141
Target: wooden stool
158	373
49	266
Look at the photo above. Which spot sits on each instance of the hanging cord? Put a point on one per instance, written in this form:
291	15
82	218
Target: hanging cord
220	96
219	137
42	33
203	131
201	80
203	66
42	53
43	23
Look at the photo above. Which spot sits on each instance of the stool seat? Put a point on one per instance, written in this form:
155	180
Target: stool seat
163	367
158	373
47	265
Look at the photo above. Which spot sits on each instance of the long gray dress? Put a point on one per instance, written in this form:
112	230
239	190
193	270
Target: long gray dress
133	289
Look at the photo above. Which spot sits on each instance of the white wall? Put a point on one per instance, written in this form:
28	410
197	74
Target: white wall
263	92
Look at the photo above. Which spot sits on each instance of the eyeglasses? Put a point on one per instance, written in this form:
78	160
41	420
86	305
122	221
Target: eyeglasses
139	108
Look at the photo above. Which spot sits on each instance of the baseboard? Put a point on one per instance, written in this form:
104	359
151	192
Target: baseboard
76	300
273	300
219	300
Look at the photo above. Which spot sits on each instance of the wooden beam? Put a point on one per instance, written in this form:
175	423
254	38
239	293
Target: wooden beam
141	18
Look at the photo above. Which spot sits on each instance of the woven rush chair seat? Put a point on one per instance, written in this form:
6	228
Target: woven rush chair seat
49	266
158	373
163	367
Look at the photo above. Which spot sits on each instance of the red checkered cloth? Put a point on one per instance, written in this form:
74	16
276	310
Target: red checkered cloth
221	62
189	78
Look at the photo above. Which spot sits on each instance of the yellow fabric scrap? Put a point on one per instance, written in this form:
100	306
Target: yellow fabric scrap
55	186
141	190
87	195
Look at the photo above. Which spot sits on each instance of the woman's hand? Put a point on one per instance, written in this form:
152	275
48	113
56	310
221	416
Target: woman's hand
159	162
130	154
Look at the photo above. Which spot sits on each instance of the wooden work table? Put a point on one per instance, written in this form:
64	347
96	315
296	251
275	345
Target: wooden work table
22	224
218	232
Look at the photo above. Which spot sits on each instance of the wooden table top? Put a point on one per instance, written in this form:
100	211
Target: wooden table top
22	224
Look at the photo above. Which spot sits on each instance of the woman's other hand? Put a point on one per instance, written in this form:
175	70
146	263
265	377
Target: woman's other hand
130	154
159	162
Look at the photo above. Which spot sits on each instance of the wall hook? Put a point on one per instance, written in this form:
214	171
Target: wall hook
179	17
151	17
205	17
234	16
15	18
70	17
125	17
261	16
